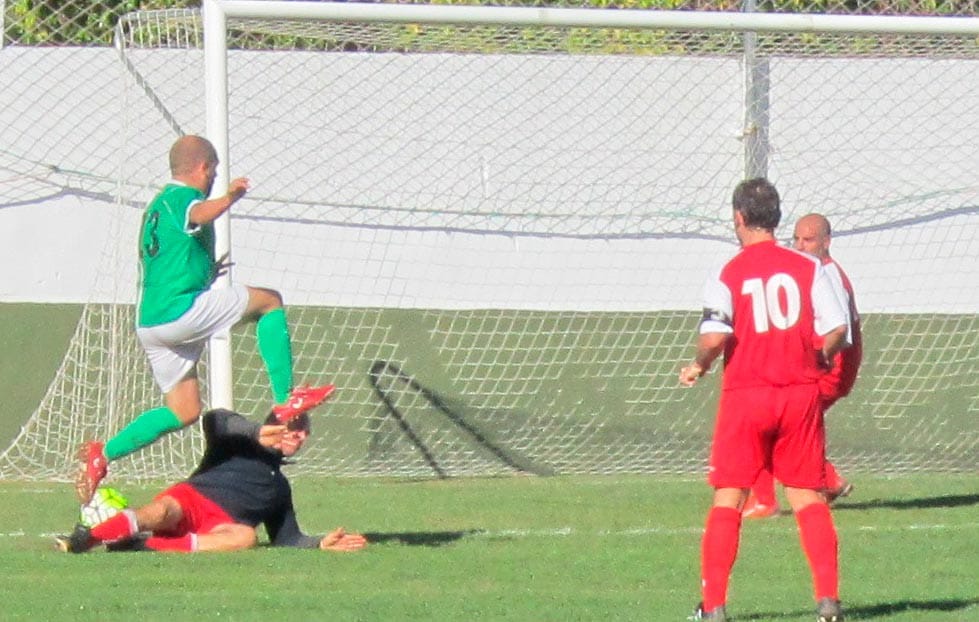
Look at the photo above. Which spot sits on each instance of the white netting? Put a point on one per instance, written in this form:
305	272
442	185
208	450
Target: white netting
492	239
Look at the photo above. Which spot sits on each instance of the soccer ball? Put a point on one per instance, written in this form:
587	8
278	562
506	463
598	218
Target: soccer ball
105	503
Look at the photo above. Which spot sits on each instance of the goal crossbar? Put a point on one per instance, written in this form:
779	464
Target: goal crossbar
595	18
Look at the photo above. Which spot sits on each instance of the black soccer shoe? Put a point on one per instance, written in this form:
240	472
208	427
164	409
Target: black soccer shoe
79	541
717	614
829	610
129	545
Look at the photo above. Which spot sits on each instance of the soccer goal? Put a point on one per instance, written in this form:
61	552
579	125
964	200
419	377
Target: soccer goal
491	226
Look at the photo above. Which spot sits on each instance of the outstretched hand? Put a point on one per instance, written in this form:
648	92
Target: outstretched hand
238	187
340	540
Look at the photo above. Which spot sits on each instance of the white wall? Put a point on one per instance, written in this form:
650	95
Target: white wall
57	226
53	252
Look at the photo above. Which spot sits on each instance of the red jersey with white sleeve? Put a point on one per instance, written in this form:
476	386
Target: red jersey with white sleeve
776	301
839	381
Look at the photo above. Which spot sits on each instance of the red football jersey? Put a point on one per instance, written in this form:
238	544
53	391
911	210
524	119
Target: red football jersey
775	301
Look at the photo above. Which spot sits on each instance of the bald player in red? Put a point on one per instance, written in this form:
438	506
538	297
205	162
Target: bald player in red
813	235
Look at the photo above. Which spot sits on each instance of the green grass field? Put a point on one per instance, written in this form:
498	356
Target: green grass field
521	548
581	548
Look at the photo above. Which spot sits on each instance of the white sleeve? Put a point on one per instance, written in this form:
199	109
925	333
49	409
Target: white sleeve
830	312
833	273
190	227
718	306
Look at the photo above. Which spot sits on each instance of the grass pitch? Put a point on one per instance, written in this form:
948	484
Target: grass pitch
561	548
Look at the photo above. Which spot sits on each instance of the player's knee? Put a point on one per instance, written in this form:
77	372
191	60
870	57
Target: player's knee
234	538
266	299
250	540
276	299
162	514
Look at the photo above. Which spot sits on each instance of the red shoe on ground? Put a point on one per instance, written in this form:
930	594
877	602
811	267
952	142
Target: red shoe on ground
94	468
753	509
301	400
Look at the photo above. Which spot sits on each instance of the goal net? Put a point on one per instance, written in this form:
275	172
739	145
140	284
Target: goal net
491	228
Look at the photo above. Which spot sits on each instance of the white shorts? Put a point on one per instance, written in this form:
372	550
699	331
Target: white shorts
175	348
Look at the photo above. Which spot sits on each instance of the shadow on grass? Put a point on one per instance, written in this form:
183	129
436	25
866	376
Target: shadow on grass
945	501
419	538
872	612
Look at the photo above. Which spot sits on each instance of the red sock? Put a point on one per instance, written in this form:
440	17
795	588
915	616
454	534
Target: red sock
718	551
764	488
119	527
819	541
186	543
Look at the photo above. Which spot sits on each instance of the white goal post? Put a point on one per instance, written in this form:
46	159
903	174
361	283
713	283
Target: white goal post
491	225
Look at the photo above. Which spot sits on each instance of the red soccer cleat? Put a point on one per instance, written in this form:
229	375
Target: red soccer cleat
760	510
753	509
94	468
301	400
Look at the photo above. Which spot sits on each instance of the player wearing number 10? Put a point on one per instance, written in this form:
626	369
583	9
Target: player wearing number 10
179	310
764	311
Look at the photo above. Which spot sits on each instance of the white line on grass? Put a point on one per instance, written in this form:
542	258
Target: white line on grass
560	532
564	532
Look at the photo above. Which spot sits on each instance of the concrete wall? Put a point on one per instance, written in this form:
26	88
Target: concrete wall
900	193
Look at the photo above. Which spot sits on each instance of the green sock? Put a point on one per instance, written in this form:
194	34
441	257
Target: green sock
275	348
143	431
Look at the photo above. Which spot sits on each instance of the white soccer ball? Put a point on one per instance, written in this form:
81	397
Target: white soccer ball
105	503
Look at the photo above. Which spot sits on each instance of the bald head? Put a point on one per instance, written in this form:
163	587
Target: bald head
189	152
812	235
194	161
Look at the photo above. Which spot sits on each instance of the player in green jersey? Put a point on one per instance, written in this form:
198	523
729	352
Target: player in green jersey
179	309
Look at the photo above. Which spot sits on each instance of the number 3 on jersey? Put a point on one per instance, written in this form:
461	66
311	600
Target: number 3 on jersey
150	241
767	298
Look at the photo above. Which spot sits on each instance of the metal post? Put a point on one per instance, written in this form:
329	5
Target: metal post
757	93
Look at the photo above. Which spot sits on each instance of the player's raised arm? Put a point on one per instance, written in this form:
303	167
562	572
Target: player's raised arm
208	211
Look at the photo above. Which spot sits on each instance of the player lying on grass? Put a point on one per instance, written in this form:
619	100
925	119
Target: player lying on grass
238	485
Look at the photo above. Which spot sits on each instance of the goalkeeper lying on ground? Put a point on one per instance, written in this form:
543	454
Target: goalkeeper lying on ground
237	486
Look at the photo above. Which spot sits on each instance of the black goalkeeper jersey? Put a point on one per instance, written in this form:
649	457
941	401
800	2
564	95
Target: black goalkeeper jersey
245	479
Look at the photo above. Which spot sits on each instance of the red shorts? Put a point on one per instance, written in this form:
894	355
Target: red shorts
829	391
200	514
779	429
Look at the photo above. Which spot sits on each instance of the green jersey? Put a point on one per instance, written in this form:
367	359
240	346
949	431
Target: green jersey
176	257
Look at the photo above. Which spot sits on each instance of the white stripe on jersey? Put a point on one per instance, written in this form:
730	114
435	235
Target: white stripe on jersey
717	297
